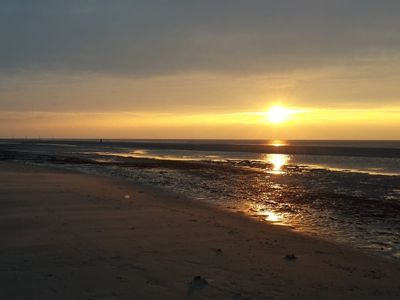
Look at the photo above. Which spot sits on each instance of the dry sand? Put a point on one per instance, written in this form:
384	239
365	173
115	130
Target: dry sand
65	235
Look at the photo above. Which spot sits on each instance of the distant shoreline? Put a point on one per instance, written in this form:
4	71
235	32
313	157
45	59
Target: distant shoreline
384	149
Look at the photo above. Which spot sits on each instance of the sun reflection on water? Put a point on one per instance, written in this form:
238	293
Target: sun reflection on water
277	161
260	211
272	217
277	143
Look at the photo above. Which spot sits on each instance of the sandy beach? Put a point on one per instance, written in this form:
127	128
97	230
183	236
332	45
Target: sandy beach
65	235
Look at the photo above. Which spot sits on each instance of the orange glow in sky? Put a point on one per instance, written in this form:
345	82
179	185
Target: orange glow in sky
69	71
278	123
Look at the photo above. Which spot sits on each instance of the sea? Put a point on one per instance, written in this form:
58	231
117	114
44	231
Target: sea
347	192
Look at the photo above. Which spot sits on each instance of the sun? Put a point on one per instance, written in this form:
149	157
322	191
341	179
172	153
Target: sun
278	114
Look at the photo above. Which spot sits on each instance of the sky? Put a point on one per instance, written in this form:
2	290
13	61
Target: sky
200	69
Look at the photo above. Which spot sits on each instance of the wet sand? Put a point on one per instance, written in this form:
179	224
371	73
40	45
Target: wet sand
65	235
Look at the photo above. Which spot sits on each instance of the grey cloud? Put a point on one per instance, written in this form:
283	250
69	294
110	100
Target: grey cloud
158	37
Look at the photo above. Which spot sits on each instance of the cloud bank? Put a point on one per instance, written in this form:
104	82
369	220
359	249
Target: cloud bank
147	38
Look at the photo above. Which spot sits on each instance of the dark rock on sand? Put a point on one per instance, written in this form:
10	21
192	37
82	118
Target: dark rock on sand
290	257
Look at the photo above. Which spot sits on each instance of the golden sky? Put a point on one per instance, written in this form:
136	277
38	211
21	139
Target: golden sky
200	70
